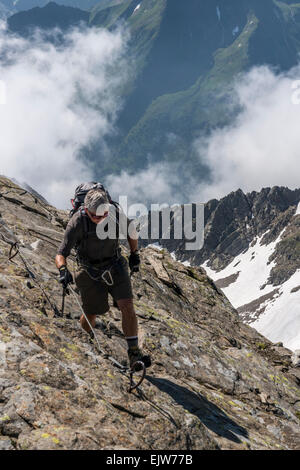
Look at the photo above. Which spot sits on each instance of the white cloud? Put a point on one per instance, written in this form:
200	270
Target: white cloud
262	146
154	185
58	99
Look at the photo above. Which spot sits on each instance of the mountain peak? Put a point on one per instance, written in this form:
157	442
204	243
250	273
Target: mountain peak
50	16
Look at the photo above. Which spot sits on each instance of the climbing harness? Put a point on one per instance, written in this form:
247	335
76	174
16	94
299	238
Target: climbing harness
101	271
97	274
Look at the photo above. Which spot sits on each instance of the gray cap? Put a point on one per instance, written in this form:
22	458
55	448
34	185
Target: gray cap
94	199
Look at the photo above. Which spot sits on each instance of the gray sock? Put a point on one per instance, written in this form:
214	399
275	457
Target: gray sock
132	341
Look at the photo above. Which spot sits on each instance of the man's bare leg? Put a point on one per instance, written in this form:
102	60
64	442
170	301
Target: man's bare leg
129	319
84	323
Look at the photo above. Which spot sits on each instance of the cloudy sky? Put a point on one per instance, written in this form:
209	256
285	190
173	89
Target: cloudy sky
49	110
50	114
260	148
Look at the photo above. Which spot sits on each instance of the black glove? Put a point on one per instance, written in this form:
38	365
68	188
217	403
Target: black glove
65	277
134	262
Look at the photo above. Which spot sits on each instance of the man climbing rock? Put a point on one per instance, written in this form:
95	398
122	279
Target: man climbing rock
101	267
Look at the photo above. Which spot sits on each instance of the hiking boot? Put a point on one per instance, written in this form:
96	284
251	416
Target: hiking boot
136	355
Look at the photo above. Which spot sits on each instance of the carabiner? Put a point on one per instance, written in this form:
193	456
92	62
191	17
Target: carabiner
109	282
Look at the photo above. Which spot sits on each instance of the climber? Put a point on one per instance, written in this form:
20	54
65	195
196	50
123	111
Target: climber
101	268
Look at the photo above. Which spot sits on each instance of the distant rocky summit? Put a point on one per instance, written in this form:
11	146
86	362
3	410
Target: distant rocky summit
216	383
252	252
50	16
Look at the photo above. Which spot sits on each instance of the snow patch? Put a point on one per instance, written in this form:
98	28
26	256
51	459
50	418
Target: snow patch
156	246
254	272
298	209
186	263
281	319
137	7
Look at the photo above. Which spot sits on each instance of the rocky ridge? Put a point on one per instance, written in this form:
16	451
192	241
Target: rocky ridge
215	383
233	226
232	223
50	16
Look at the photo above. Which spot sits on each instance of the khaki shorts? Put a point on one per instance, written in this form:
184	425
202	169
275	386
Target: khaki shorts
94	294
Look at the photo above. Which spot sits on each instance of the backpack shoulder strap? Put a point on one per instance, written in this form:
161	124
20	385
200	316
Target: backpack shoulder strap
118	209
82	244
85	224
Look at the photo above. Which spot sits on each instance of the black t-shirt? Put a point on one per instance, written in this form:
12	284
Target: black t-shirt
86	240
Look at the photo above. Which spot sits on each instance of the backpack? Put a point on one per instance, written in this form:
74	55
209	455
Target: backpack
77	203
80	193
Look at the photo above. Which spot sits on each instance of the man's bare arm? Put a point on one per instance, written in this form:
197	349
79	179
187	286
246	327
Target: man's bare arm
134	244
133	240
60	261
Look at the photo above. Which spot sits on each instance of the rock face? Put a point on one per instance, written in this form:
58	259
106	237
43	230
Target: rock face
232	223
252	252
215	383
